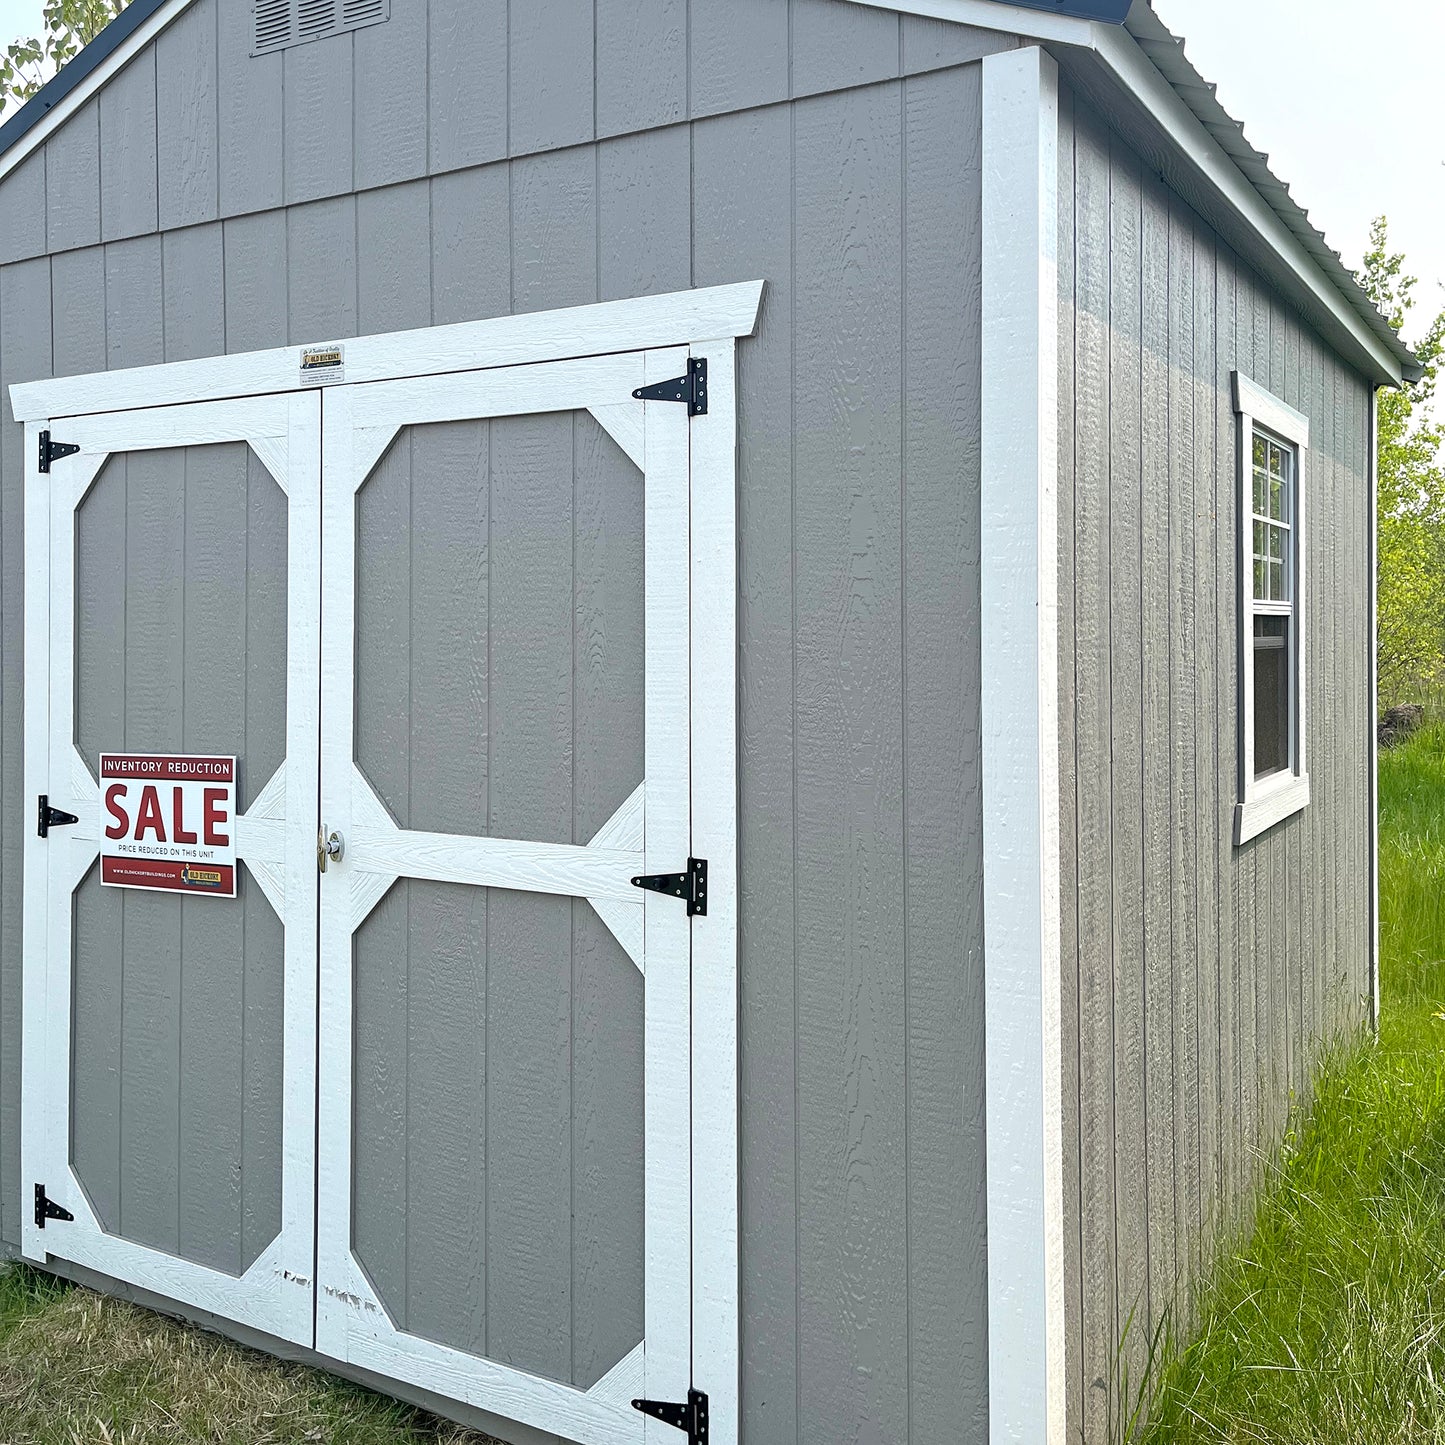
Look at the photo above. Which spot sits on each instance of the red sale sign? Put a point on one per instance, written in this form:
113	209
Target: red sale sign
169	823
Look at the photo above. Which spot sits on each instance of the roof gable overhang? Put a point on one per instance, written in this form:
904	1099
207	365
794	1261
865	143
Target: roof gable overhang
1135	70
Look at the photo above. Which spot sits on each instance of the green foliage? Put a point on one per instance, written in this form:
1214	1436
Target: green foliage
26	64
1326	1325
1411	494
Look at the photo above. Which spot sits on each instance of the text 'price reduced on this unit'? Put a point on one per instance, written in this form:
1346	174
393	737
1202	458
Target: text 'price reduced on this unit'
169	823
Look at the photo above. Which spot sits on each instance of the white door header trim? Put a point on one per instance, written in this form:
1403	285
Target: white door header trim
679	318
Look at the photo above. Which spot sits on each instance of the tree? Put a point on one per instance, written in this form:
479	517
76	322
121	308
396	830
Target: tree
1411	493
27	64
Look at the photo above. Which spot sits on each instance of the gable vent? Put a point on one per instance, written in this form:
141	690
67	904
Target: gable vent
279	23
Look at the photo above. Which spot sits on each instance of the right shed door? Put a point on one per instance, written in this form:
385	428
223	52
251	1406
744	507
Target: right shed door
505	1178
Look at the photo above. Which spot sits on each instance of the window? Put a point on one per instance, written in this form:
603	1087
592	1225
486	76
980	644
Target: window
1273	441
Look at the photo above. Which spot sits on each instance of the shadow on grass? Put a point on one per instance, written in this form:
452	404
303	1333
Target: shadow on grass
77	1368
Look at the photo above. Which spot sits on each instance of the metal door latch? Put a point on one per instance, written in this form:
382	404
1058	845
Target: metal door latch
328	849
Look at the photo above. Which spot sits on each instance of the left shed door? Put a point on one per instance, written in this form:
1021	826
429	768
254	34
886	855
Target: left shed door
172	607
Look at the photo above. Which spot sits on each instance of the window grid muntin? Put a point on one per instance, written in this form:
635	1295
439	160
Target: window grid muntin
1273	469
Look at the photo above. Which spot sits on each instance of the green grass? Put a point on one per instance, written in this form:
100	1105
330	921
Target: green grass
1328	1327
80	1369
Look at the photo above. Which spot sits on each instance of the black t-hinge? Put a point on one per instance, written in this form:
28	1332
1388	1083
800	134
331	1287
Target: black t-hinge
53	451
690	886
691	1417
53	817
46	1208
690	389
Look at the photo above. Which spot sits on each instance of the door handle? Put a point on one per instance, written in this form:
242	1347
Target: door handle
328	849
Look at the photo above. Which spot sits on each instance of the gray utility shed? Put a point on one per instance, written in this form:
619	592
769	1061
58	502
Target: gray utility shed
897	473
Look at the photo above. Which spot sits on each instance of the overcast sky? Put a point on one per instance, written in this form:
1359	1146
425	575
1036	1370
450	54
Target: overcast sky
1341	104
1340	95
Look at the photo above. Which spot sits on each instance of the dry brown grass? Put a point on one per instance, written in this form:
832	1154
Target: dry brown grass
77	1368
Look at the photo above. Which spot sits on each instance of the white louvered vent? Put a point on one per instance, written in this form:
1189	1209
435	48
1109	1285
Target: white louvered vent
279	23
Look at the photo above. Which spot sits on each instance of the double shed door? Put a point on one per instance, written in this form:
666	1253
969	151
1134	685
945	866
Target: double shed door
430	1108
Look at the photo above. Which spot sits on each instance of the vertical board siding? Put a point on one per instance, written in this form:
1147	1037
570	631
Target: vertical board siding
389	82
942	782
128	140
1204	978
196	128
72	209
466	82
187	116
250	117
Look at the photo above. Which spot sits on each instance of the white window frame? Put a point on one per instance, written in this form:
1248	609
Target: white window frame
1264	802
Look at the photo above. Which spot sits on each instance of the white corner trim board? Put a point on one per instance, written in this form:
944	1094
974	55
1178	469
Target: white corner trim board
643	323
1019	542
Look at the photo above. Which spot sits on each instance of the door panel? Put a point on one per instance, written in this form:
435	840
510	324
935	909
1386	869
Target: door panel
169	1059
498	1165
504	1068
499	627
178	1004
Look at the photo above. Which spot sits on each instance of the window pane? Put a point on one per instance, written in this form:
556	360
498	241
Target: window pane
1261	492
1271	695
1261	452
1276	582
1261	581
1276	460
1261	548
1276	543
1277	501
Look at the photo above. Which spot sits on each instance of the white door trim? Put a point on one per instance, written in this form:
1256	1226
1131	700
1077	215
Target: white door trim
642	323
1022	982
276	841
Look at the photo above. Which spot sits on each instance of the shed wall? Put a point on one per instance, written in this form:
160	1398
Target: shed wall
1200	979
469	159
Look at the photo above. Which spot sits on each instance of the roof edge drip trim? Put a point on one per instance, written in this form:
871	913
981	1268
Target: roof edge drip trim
72	77
1111	12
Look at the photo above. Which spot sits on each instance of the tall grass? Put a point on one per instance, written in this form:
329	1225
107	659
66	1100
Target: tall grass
1328	1326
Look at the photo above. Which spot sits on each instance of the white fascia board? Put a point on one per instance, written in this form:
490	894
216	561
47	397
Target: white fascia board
42	130
1021	816
1128	65
643	323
